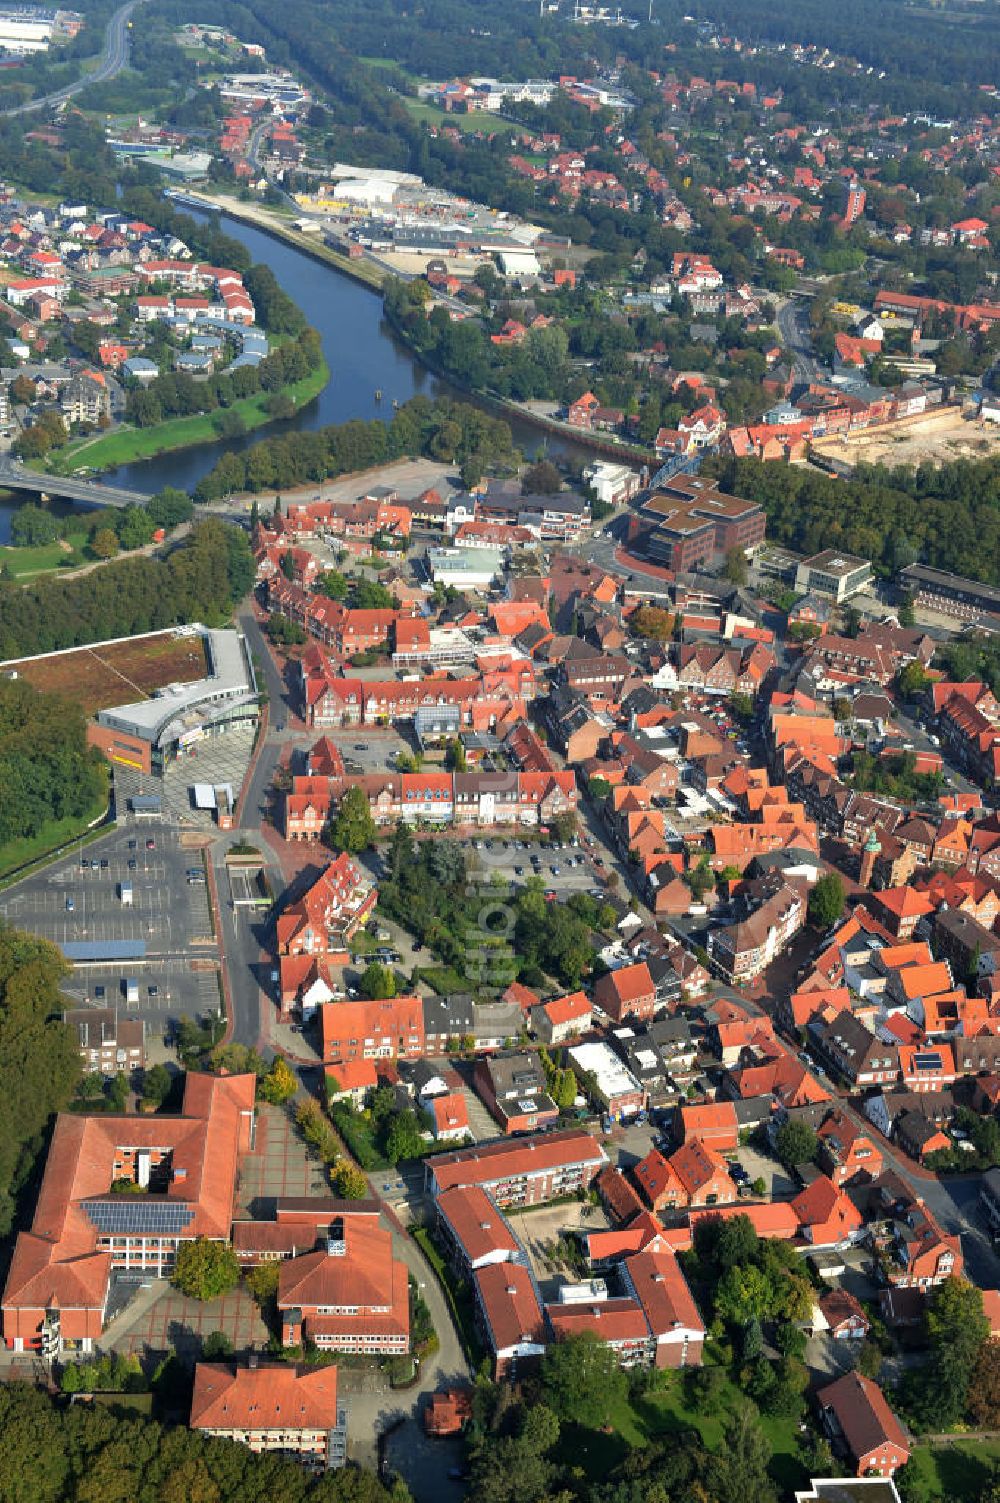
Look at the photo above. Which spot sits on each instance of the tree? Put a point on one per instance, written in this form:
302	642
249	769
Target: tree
795	1143
353	829
984	1390
653	622
215	1346
826	901
956	1331
906	613
349	1181
205	1269
581	1380
736	566
279	1084
32	526
104	543
744	1293
912	679
377	981
541	479
404	1140
739	1469
156	1085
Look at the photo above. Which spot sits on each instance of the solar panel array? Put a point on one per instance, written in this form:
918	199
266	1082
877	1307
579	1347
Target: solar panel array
930	1061
139	1216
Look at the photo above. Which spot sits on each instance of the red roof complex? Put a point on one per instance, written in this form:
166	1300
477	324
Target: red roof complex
349	1296
185	1171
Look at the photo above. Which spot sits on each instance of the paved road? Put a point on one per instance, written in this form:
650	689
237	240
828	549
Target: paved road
111	62
791	327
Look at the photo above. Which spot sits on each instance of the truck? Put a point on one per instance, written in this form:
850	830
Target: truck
125	893
131	989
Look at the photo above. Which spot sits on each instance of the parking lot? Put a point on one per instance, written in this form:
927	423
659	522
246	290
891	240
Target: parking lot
571	870
215	760
89	904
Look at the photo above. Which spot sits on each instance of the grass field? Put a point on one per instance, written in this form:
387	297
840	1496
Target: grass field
178	433
25	563
491	125
119	673
955	1473
637	1422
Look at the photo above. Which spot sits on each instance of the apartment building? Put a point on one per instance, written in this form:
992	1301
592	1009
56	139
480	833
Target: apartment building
521	1171
273	1408
109	1045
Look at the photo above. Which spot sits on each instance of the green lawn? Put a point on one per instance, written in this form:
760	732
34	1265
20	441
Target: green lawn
458	1295
179	433
636	1422
478	120
52	837
25	563
955	1473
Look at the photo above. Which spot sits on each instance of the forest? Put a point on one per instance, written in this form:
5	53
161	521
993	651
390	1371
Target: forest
39	1069
441	429
946	516
47	770
51	1452
201	580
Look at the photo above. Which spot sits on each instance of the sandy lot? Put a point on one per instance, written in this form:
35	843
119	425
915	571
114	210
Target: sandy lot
938	438
118	673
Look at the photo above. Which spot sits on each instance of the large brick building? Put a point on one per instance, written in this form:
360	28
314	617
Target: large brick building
694	522
183	1170
523	1171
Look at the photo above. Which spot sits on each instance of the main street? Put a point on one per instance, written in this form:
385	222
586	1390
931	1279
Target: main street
112	60
795	338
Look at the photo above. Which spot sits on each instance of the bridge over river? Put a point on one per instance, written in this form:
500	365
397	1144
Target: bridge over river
15	476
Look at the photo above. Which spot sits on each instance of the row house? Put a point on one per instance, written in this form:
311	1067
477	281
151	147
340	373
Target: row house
483	800
387	1029
847	1046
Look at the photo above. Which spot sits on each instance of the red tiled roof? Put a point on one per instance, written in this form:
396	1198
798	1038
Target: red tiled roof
510	1305
272	1397
488	1162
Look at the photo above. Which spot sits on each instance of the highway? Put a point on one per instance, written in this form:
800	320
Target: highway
111	62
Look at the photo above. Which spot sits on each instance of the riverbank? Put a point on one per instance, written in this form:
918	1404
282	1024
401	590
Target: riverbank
375	277
270	223
127	445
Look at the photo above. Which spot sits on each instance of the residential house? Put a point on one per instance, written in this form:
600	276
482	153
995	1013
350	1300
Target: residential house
513	1089
855	1413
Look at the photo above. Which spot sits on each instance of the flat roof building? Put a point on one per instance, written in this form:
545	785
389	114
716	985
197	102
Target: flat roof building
151	733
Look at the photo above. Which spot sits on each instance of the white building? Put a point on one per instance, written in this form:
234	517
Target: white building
614	484
465	568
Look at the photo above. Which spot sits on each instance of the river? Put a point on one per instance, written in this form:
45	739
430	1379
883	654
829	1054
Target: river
361	350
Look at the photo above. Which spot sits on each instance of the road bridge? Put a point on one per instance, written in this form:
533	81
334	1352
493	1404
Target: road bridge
17	477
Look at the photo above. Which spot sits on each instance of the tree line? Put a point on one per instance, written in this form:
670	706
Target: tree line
947	516
39	1062
51	1452
442	429
47	770
201	581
